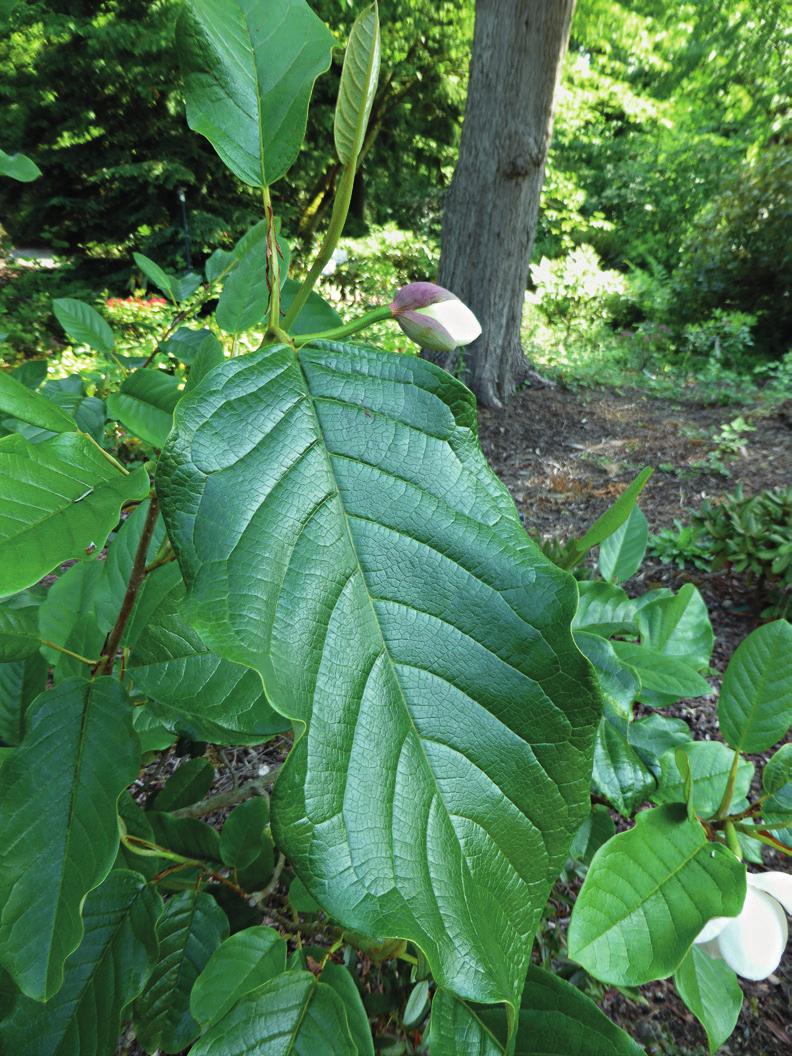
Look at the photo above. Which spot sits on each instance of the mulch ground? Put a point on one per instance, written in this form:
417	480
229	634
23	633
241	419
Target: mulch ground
565	456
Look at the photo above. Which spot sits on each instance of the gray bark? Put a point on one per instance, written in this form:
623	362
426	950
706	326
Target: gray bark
492	206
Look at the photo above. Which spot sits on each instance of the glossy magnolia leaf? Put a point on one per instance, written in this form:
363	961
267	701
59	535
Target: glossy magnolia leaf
621	554
248	76
340	980
597	829
615	516
243	833
648	894
18	401
315	315
679	626
619	774
194	690
242	963
450	717
667	676
653	735
189	931
186	785
60	835
618	681
66	619
18	167
144	404
358	85
57	498
555	1019
83	324
20	683
755	703
19	637
103	975
710	763
245	299
292	1013
31	372
710	990
604	609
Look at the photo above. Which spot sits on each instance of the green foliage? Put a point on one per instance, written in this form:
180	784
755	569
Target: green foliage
335	562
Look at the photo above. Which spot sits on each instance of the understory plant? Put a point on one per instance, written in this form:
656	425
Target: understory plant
303	547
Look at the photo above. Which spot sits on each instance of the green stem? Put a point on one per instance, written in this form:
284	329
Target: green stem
273	262
68	652
723	809
107	455
374	316
764	837
337	220
732	841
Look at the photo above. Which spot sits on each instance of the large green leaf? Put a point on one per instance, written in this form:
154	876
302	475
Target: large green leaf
83	324
647	895
20	683
244	832
450	717
653	735
248	75
315	316
710	990
293	1013
117	565
18	167
187	784
710	764
457	677
18	401
144	404
555	1019
621	554
57	499
104	974
189	931
242	963
679	625
245	299
59	835
755	703
358	85
777	783
194	690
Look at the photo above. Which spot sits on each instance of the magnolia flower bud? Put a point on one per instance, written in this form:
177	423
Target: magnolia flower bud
753	942
434	318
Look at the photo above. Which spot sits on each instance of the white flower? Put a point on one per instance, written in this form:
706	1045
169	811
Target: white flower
753	943
434	318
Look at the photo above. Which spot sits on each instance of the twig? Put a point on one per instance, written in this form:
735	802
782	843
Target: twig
260	897
221	800
107	660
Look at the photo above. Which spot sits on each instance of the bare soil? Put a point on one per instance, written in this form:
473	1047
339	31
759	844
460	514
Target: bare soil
565	456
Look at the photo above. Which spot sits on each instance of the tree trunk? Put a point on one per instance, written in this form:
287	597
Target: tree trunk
491	211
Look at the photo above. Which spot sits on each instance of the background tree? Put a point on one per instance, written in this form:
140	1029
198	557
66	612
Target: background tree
489	222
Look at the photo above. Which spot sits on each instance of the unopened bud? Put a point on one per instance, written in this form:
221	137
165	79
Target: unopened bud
433	317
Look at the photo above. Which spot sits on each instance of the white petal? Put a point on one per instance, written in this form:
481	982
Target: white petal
753	944
456	318
712	930
779	885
